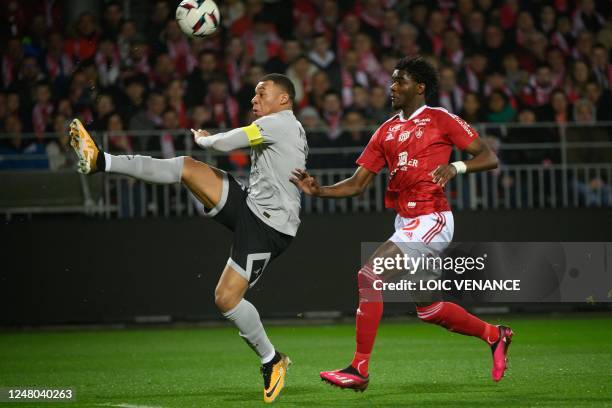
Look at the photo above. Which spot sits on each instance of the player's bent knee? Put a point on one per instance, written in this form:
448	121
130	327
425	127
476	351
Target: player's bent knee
225	301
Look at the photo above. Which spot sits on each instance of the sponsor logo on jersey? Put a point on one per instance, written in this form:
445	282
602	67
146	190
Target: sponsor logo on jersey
389	137
421	121
403	136
411	204
395	128
463	124
402	159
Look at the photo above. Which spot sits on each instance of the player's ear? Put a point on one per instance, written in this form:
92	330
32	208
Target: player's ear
284	99
421	88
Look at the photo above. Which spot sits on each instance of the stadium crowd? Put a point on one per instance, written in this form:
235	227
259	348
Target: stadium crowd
499	61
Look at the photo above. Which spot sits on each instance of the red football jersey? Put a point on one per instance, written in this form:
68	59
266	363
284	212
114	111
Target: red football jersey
411	149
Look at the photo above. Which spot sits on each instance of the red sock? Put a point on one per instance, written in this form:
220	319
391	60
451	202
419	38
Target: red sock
367	319
456	319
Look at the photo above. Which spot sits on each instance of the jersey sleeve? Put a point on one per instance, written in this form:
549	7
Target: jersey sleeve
460	133
267	129
373	157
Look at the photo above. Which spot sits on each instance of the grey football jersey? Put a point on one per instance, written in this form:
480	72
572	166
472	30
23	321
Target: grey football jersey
278	145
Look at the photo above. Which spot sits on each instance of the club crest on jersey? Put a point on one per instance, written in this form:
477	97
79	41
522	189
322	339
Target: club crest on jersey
418	133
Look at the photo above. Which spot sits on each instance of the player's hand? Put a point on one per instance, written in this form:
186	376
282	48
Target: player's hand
305	182
442	174
199	133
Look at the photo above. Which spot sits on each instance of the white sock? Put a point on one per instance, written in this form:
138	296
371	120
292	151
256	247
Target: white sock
246	318
146	168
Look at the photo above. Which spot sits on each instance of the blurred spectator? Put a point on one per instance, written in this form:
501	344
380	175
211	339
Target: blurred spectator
380	109
43	109
452	50
178	49
558	109
60	153
499	108
547	20
495	45
556	61
225	108
351	75
450	95
332	115
84	41
198	81
58	63
320	86
231	10
361	101
347	33
245	95
160	15
390	29
150	118
311	120
119	141
601	99
592	188
602	69
472	111
563	38
515	77
537	92
19	153
112	19
291	50
586	17
175	93
103	108
300	72
108	62
163	73
474	33
201	118
472	75
237	63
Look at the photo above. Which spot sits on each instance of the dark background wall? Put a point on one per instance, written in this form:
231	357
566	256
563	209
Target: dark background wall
83	270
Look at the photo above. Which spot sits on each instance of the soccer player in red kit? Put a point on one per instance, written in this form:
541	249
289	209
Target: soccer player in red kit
415	145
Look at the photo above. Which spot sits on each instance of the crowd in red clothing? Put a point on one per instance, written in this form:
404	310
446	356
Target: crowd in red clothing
500	61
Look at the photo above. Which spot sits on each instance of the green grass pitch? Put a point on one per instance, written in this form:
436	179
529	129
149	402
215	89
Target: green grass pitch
554	361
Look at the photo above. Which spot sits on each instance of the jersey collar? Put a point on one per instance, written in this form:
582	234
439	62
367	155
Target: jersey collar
414	114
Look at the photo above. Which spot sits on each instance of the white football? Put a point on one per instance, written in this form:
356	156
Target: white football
198	18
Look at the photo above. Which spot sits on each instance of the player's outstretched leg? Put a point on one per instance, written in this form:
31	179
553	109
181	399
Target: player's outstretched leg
229	298
93	160
456	319
204	181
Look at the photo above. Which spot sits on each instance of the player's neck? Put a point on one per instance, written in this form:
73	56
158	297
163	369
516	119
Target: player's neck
407	111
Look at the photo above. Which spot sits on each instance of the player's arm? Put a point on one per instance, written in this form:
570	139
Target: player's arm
483	159
349	187
239	138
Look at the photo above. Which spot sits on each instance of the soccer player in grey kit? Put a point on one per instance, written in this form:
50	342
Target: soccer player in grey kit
264	217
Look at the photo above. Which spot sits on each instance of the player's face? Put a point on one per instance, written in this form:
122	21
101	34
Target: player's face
404	89
268	99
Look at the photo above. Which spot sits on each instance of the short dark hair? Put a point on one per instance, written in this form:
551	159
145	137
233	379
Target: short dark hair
283	82
421	72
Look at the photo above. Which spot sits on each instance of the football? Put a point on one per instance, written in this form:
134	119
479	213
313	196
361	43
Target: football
198	18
